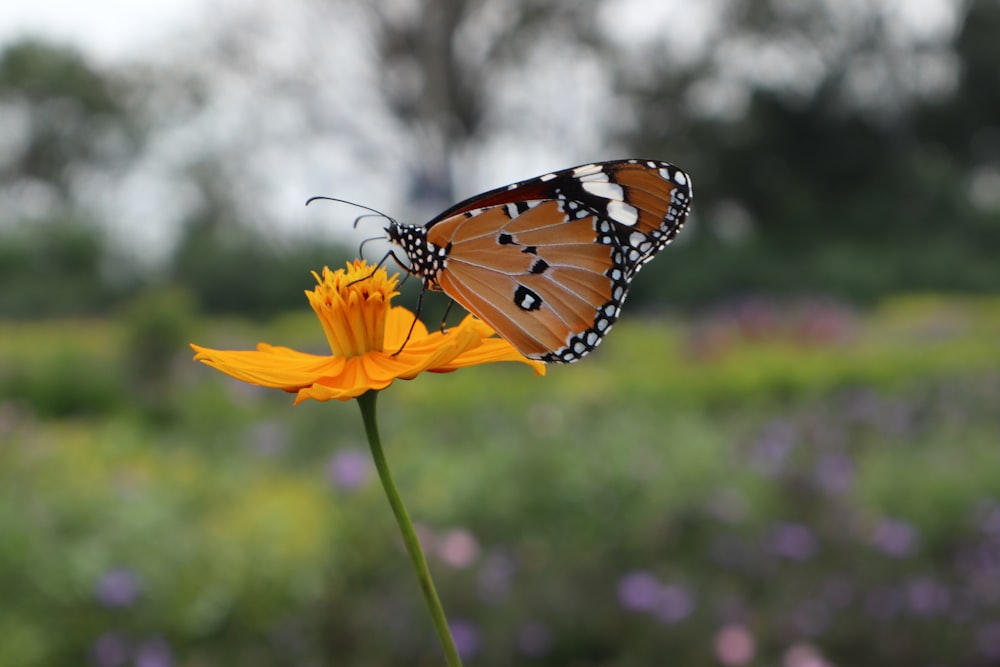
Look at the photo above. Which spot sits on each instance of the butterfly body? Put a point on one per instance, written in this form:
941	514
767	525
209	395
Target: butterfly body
547	262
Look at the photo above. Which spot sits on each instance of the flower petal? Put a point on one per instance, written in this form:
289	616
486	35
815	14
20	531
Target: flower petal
270	365
397	325
373	343
491	350
350	383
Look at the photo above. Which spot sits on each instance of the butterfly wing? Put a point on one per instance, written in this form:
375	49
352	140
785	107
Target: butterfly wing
547	262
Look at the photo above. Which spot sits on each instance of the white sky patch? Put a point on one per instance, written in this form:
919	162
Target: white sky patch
104	29
565	97
679	24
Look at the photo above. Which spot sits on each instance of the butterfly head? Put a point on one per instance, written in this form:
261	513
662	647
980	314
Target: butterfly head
427	260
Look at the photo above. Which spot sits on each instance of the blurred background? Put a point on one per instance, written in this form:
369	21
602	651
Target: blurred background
786	454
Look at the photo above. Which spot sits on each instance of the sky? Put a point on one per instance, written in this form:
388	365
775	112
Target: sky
116	30
105	29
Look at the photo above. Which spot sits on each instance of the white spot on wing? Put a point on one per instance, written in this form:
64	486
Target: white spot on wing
623	213
587	170
605	189
546	177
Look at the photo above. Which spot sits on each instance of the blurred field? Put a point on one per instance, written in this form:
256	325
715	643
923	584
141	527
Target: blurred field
763	484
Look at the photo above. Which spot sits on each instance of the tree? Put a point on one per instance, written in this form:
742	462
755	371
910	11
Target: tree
820	173
65	123
408	92
70	118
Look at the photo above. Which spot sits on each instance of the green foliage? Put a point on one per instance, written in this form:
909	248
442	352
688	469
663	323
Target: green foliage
41	71
60	370
205	548
828	191
76	115
822	479
54	267
157	324
220	265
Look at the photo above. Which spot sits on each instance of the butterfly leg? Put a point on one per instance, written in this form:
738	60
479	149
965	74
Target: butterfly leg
416	316
444	318
379	266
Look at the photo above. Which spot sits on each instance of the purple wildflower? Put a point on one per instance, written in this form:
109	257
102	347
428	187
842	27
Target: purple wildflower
349	469
772	448
927	597
895	538
468	639
118	588
792	540
834	473
674	603
638	591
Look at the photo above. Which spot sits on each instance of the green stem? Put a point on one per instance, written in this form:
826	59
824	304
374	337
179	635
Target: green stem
367	403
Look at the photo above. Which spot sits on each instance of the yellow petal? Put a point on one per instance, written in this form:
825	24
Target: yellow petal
270	366
490	351
367	336
397	324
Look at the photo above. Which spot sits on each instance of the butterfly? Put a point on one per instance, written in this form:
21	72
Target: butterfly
547	262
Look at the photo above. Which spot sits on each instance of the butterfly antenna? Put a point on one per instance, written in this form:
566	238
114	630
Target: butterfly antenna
351	203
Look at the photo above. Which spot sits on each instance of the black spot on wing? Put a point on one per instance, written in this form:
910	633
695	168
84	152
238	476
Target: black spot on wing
539	266
527	299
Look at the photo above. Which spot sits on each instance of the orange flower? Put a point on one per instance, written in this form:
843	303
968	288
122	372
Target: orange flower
364	332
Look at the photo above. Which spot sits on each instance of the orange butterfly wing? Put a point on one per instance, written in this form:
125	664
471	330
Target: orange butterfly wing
547	262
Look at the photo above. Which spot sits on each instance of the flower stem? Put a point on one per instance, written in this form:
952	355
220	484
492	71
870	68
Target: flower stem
367	404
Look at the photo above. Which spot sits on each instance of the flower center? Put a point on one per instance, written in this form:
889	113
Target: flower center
352	305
